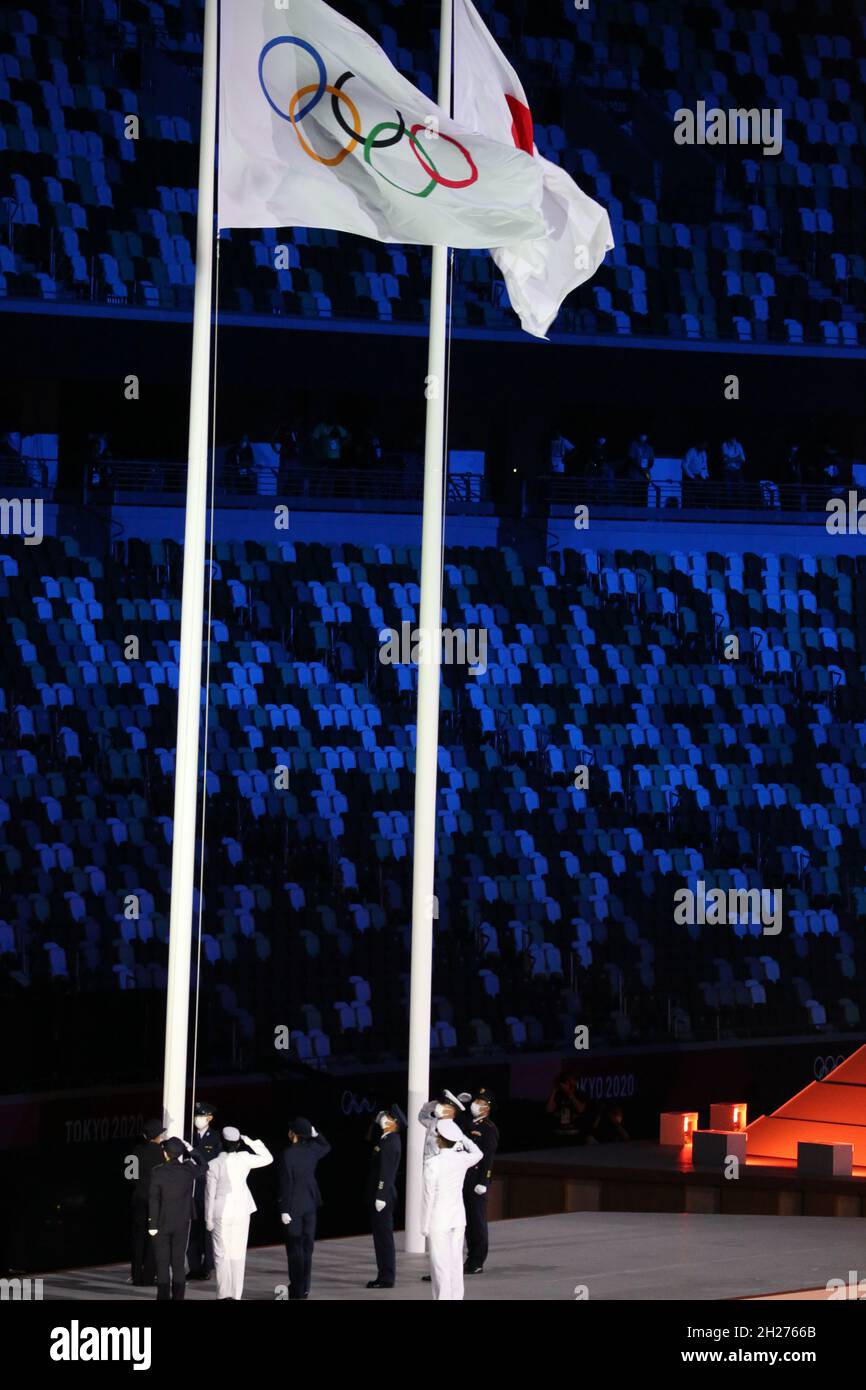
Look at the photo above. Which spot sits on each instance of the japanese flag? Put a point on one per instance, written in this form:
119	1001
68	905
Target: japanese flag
489	98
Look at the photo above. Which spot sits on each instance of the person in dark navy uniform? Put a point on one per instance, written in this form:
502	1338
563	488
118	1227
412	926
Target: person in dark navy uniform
207	1142
170	1212
382	1192
300	1200
476	1184
147	1156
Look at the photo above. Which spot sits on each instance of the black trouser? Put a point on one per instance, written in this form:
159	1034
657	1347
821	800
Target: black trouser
143	1262
476	1227
170	1250
383	1243
200	1251
301	1233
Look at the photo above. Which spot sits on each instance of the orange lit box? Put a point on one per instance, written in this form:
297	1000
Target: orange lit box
676	1127
728	1115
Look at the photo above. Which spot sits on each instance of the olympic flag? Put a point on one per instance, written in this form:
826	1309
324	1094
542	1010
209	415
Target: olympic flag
488	97
318	129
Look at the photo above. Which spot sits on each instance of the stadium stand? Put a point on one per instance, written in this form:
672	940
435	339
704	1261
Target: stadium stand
555	904
732	245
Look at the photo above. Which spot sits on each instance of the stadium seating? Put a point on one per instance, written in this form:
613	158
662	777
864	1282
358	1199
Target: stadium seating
554	898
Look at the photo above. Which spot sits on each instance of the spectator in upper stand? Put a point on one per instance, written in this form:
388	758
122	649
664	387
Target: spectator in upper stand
561	454
794	465
695	463
641	457
600	465
267	468
831	465
290	446
364	450
733	459
328	442
100	468
240	470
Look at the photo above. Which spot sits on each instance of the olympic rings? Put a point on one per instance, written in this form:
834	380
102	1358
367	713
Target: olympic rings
447	183
368	145
379	144
308	149
319	89
316	90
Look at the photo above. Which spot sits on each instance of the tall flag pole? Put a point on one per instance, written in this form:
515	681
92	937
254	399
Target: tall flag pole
192	613
427	730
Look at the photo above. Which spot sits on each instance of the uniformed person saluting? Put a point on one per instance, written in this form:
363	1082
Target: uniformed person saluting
300	1200
476	1184
382	1192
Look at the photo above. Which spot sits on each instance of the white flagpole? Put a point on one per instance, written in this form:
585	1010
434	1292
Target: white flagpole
427	735
191	613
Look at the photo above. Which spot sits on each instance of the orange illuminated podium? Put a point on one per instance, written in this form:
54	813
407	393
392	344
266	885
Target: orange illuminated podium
676	1127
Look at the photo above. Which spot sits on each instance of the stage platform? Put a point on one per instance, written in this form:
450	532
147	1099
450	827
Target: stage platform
587	1255
644	1177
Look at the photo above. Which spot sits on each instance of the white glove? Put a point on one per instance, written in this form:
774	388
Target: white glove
314	1133
247	1140
380	1206
152	1233
285	1218
479	1190
187	1146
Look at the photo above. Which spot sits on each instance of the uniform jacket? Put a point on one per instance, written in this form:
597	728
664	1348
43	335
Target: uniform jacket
149	1156
299	1191
486	1136
226	1193
171	1191
209	1144
442	1206
384	1165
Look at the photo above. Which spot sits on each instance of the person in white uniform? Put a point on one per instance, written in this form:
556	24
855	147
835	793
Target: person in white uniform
445	1108
229	1205
443	1216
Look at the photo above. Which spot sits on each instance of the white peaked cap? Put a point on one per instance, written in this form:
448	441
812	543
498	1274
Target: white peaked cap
449	1129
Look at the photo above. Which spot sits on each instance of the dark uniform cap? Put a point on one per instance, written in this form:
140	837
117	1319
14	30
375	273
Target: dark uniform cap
153	1129
174	1146
301	1126
202	1108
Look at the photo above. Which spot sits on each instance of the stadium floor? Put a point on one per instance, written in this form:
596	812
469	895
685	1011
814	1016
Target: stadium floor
610	1255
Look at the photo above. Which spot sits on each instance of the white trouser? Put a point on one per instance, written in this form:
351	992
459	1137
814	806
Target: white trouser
230	1254
446	1262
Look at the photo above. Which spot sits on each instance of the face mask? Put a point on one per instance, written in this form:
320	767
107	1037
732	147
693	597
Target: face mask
200	1122
383	1121
476	1108
439	1111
